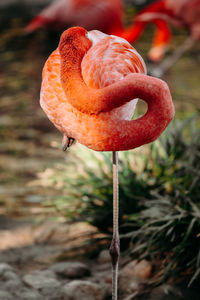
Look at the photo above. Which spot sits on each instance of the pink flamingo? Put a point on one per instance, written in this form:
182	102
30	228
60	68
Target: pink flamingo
103	15
89	90
180	13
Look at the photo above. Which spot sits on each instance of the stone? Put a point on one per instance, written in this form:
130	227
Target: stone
12	285
168	292
133	276
41	280
84	290
52	294
9	280
10	275
104	257
5	296
70	269
4	267
28	294
129	286
141	269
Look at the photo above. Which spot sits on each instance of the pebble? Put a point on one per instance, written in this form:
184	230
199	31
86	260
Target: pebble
9	280
5	296
167	292
41	280
141	269
28	294
4	267
129	285
133	276
104	257
84	290
70	269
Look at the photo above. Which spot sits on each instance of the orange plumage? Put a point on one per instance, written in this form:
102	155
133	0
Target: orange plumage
89	90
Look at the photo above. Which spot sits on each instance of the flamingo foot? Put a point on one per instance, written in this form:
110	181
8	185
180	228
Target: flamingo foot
67	142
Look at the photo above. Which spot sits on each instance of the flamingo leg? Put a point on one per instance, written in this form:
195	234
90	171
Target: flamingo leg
166	64
115	244
67	142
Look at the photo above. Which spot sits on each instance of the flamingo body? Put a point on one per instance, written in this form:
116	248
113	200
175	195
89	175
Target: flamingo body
103	15
181	13
187	14
89	88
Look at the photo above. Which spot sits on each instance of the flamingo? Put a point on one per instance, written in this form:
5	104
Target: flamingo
180	13
103	15
90	86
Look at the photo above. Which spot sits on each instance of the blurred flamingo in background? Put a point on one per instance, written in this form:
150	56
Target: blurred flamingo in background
107	16
89	90
104	15
180	13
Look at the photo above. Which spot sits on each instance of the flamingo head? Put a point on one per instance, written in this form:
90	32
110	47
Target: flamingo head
74	39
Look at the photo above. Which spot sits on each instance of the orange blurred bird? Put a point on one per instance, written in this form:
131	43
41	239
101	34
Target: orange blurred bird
89	90
180	13
104	15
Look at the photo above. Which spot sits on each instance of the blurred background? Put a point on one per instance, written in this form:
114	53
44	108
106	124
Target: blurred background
57	207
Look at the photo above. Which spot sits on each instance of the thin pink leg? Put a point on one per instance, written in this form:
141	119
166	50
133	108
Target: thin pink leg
115	244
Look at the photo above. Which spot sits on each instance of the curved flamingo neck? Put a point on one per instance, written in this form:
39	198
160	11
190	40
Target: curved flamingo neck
73	45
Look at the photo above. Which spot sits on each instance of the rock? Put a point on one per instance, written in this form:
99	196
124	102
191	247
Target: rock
141	269
4	267
44	282
84	290
132	277
39	253
5	296
167	292
9	280
129	286
104	257
52	294
41	280
70	269
12	285
10	275
28	294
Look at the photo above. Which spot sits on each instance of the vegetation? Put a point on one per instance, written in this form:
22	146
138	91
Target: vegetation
159	197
